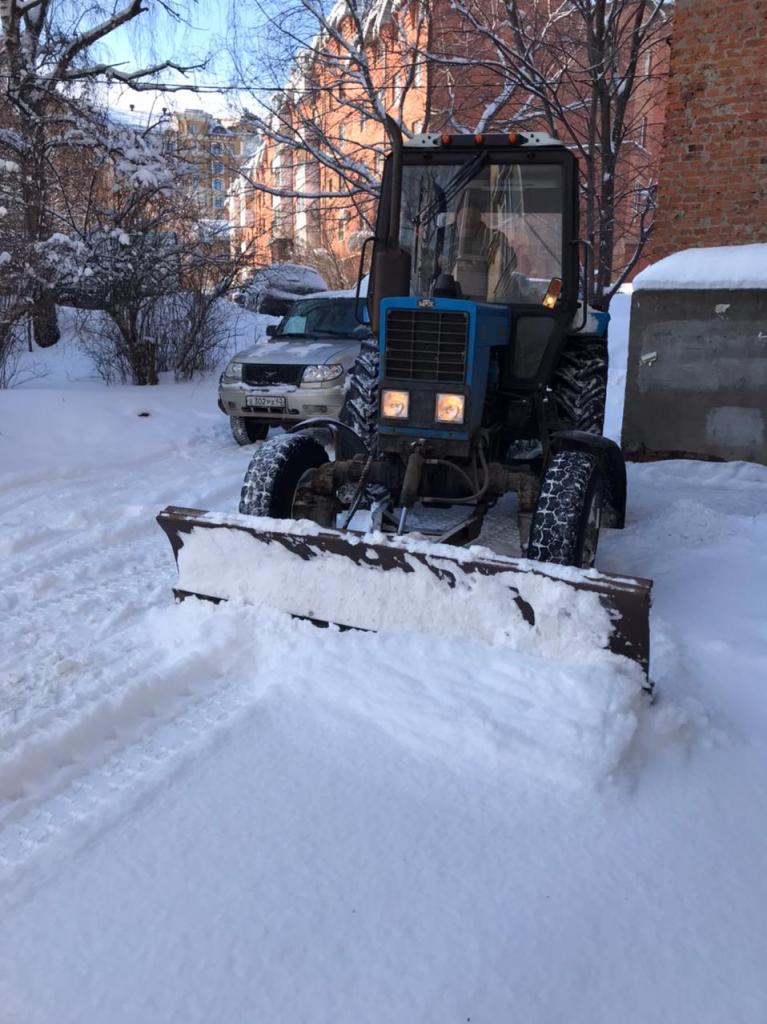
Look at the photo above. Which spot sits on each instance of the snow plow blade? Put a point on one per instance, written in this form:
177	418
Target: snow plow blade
349	580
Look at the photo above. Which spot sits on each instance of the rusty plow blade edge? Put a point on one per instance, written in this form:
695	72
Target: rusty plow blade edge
217	561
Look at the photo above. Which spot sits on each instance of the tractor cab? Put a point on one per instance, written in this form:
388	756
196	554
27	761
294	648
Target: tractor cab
474	280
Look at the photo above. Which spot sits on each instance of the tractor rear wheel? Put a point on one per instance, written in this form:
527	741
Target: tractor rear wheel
272	479
565	526
580	383
360	408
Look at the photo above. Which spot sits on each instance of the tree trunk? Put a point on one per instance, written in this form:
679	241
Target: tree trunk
143	361
44	322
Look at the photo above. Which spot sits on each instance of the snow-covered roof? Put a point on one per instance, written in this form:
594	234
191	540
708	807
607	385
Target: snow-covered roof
722	266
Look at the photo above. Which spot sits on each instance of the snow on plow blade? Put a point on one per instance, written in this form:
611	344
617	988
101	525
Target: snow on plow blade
349	580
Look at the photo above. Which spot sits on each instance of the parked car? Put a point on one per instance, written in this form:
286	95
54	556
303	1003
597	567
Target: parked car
299	371
273	290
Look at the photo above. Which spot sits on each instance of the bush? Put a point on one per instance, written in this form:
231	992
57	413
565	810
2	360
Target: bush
185	333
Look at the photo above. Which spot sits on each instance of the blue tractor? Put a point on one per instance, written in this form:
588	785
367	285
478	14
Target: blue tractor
486	374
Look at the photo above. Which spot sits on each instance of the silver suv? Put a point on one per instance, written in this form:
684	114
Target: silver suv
299	371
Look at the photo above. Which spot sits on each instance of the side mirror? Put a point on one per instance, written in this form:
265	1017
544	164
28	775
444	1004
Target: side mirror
271	330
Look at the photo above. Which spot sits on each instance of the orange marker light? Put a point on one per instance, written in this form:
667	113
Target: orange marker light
553	292
479	139
446	139
514	138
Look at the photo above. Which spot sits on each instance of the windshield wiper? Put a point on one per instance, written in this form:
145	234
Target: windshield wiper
453	187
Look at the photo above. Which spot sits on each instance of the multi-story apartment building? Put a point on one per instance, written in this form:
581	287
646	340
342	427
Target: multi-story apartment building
215	150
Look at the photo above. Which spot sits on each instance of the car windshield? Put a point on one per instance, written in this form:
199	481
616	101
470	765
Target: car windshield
321	318
496	228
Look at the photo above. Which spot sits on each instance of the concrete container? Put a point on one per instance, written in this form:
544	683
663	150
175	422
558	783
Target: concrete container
696	383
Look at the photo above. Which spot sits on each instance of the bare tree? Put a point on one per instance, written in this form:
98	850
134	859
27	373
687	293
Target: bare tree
591	73
148	266
325	83
49	72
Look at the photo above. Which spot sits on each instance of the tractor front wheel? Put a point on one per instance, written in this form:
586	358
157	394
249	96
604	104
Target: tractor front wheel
274	473
565	526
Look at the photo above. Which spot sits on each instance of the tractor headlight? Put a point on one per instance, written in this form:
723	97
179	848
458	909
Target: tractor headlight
395	405
233	371
450	408
322	374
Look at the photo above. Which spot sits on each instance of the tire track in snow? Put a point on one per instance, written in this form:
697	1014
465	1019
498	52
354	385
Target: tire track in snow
83	578
67	782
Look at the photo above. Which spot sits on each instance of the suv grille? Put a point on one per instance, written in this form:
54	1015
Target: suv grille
426	345
265	374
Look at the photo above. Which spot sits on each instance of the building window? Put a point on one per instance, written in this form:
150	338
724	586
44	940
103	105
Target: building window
342	226
644	199
218	185
642	136
218	202
218	168
396	91
194	129
216	147
341	132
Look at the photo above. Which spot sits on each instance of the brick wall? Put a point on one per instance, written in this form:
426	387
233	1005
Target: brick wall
713	181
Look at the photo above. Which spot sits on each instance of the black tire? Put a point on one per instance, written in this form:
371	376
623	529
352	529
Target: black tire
273	474
565	526
246	430
580	384
360	408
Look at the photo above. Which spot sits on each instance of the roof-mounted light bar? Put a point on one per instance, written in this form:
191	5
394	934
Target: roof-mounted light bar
436	140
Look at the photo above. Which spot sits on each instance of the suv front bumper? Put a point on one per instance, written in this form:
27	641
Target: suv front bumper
292	404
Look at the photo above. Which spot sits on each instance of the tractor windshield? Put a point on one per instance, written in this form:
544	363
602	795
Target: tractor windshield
496	228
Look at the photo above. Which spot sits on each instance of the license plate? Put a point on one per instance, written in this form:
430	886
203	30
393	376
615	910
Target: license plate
264	402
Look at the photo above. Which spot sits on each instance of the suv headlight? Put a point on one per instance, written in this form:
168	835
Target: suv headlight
233	371
322	374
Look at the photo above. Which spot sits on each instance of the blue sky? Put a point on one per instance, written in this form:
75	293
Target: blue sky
155	37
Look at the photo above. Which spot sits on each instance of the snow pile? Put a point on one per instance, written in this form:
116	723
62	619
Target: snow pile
567	624
273	288
725	266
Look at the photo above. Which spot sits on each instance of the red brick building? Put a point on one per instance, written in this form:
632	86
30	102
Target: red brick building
325	219
713	178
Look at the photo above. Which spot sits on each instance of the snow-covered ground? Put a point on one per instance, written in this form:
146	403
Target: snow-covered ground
219	814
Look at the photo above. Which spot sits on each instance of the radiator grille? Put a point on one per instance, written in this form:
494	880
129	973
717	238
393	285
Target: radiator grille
265	374
426	345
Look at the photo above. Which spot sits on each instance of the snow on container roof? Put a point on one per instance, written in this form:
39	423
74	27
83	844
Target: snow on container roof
723	266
